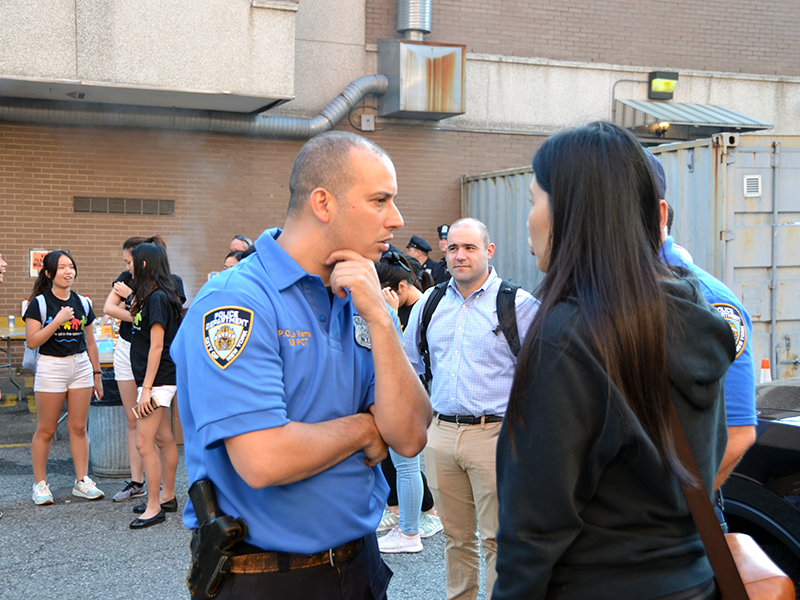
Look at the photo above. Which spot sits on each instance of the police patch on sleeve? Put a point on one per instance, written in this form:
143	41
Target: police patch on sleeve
225	333
733	316
361	331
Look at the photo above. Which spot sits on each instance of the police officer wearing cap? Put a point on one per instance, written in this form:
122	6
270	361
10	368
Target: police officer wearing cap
419	249
439	272
292	381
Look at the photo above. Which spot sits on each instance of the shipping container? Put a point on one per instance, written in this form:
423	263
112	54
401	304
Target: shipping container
500	199
737	210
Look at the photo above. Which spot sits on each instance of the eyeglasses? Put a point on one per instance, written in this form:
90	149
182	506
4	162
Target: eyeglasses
396	260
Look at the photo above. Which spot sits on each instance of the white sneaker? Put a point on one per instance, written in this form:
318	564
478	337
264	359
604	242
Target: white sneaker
429	525
396	542
86	488
389	520
41	493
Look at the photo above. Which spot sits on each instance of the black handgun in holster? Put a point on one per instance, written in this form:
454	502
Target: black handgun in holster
211	542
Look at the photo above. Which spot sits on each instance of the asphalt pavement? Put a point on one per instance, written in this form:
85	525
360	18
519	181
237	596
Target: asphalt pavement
77	548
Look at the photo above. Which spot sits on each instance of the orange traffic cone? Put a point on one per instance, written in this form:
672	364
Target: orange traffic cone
766	374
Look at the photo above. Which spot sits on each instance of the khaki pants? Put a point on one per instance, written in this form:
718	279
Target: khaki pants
460	463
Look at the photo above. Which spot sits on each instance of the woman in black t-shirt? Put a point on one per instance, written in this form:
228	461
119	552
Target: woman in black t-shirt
68	367
157	308
117	305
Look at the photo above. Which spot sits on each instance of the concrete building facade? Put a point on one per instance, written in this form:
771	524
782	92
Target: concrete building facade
531	68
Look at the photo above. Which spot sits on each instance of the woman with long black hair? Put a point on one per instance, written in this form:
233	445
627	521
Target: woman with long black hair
59	323
590	503
156	307
117	305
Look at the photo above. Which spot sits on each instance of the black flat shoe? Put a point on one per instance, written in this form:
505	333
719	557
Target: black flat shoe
168	506
140	523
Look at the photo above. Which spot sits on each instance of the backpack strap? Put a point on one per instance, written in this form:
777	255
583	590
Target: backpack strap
427	312
507	315
85	304
42	308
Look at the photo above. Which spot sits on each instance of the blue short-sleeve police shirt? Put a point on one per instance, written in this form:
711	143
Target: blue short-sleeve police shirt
261	345
740	380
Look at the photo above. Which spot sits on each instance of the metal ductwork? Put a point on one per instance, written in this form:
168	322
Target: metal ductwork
413	18
104	115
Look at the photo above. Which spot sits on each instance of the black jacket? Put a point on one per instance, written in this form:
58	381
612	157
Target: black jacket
586	508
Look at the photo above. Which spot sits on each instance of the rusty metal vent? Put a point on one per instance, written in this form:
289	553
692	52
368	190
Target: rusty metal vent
752	186
123	206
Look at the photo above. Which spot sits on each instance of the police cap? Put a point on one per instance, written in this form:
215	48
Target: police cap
419	243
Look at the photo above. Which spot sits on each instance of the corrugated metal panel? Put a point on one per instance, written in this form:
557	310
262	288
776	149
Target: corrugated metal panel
645	112
500	200
739	238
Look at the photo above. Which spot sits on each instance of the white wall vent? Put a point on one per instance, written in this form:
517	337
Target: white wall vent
752	186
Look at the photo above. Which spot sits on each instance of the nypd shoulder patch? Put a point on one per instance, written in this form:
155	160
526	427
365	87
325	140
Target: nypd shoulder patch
734	318
225	332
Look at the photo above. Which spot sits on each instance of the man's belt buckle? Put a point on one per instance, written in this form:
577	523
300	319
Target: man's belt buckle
330	557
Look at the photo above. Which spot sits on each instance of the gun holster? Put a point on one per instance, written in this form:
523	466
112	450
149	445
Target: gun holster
211	542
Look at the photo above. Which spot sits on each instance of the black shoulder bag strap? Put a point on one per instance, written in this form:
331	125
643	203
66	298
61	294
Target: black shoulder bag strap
427	313
507	314
719	554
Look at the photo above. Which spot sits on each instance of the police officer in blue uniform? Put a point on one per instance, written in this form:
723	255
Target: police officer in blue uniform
440	272
740	381
419	249
292	381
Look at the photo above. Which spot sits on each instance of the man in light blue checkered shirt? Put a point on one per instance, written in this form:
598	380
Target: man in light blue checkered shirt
472	368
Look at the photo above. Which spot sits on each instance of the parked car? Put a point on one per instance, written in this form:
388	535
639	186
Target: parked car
762	496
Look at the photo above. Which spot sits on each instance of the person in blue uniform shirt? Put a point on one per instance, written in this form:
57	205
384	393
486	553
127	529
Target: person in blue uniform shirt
440	273
292	382
419	249
740	381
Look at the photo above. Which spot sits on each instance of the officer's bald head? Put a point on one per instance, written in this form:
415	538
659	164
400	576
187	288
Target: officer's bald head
324	162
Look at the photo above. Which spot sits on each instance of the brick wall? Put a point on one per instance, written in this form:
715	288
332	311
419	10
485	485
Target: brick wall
222	186
737	35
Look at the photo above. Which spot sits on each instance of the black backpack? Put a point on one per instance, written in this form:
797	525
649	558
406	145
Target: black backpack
506	318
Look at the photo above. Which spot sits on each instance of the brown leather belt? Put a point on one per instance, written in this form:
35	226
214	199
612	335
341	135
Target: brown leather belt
271	562
467	419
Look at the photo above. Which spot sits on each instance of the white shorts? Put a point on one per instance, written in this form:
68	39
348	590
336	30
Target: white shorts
122	361
162	393
57	374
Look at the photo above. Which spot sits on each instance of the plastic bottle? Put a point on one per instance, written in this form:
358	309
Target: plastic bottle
24	306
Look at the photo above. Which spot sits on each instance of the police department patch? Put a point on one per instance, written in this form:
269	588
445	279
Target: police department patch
361	331
225	333
734	318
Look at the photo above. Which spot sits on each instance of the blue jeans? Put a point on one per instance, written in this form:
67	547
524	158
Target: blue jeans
409	491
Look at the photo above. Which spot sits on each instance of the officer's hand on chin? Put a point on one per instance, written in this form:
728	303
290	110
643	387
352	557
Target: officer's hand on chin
353	272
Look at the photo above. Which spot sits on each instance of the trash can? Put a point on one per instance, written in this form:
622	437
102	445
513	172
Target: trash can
108	431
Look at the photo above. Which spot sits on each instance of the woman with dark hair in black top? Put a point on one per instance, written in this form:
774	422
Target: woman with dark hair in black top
156	307
117	305
588	480
59	323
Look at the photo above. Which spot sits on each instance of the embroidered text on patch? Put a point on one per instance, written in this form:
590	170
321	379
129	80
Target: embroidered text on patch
225	333
734	318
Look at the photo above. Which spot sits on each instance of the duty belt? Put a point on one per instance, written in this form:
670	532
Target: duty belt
270	562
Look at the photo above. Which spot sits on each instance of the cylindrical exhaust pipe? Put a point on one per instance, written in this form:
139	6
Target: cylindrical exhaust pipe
413	18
